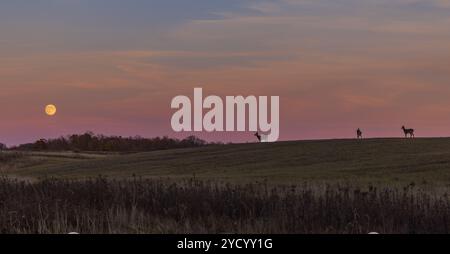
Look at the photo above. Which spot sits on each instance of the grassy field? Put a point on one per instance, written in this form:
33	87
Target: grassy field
104	205
328	186
422	162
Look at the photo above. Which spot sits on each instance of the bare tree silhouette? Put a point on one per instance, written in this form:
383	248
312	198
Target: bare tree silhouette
407	132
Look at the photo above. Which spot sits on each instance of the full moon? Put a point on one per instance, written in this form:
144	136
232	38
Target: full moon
50	110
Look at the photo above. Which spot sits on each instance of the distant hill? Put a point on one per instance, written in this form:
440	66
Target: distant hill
382	161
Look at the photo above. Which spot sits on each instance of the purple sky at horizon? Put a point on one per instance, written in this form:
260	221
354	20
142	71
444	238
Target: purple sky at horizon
113	66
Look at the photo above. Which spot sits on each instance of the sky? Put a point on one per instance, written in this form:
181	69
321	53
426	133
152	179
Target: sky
113	66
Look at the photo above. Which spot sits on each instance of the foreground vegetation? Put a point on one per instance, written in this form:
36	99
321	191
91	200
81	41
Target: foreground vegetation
193	206
329	186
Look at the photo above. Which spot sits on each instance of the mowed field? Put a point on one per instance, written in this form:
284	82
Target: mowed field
421	162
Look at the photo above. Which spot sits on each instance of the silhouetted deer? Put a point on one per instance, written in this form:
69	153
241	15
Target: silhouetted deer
407	132
359	134
258	136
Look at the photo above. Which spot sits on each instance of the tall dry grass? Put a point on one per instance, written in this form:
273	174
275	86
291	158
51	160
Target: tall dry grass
192	206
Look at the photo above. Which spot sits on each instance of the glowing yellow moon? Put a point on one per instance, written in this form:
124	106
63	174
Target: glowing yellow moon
50	110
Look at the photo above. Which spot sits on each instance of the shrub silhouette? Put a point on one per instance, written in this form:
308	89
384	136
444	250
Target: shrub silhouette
91	142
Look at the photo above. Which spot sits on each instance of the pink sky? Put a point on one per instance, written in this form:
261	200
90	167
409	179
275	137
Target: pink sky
335	69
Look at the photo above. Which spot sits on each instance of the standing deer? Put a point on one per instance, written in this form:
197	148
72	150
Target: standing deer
359	134
258	136
407	132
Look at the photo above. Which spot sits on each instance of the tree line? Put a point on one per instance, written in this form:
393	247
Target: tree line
92	142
